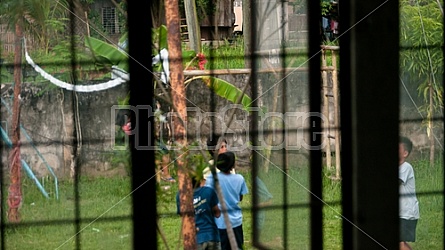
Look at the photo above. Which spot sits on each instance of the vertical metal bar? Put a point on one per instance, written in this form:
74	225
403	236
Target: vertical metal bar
253	80
141	93
346	125
2	181
443	117
74	141
284	31
370	142
315	126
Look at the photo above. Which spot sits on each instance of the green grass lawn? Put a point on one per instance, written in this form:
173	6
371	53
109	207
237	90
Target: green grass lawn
105	208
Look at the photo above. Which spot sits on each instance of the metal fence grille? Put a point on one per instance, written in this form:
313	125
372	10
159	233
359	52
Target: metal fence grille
306	116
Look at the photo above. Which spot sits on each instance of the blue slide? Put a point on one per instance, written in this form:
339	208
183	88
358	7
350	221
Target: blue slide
24	164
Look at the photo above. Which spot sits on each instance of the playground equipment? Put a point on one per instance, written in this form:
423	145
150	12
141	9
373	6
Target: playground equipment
25	165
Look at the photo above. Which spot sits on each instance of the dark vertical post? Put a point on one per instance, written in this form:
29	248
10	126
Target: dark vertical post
315	135
443	110
346	124
2	175
285	31
370	115
74	131
249	29
141	96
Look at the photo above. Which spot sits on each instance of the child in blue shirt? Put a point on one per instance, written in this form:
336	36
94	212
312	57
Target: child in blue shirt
205	202
233	187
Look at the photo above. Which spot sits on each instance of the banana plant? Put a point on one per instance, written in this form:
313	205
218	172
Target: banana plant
224	89
107	55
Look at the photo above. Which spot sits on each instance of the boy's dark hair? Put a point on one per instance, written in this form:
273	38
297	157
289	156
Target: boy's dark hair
407	143
212	142
225	161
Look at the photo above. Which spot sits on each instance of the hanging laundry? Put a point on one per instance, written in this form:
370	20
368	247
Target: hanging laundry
325	23
334	26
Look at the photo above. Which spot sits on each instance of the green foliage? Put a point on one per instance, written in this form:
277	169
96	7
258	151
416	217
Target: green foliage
107	55
326	7
95	19
87	1
204	8
226	90
421	33
100	198
43	20
58	62
159	37
119	158
225	56
197	162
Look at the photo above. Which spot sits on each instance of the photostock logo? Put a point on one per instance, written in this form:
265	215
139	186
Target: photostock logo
276	131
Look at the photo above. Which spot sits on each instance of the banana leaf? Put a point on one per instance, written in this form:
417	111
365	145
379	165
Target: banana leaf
159	36
107	54
226	90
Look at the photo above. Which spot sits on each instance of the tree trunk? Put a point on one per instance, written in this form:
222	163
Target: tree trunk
179	121
430	126
15	192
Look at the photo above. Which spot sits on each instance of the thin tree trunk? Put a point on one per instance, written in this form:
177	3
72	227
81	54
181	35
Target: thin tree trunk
179	132
15	192
430	127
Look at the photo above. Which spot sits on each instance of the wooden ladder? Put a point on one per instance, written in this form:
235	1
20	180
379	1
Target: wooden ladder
184	30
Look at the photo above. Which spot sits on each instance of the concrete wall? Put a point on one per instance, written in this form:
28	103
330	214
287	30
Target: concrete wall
47	117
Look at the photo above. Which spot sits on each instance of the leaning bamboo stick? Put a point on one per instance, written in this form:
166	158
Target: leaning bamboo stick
248	71
326	122
336	115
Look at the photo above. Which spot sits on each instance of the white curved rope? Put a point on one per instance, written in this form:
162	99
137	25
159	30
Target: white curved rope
123	77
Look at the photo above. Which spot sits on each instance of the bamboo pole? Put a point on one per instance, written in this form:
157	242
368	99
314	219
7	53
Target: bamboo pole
194	32
326	122
336	115
248	71
272	124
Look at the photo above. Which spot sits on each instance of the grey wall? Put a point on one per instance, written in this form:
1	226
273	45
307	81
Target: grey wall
47	117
